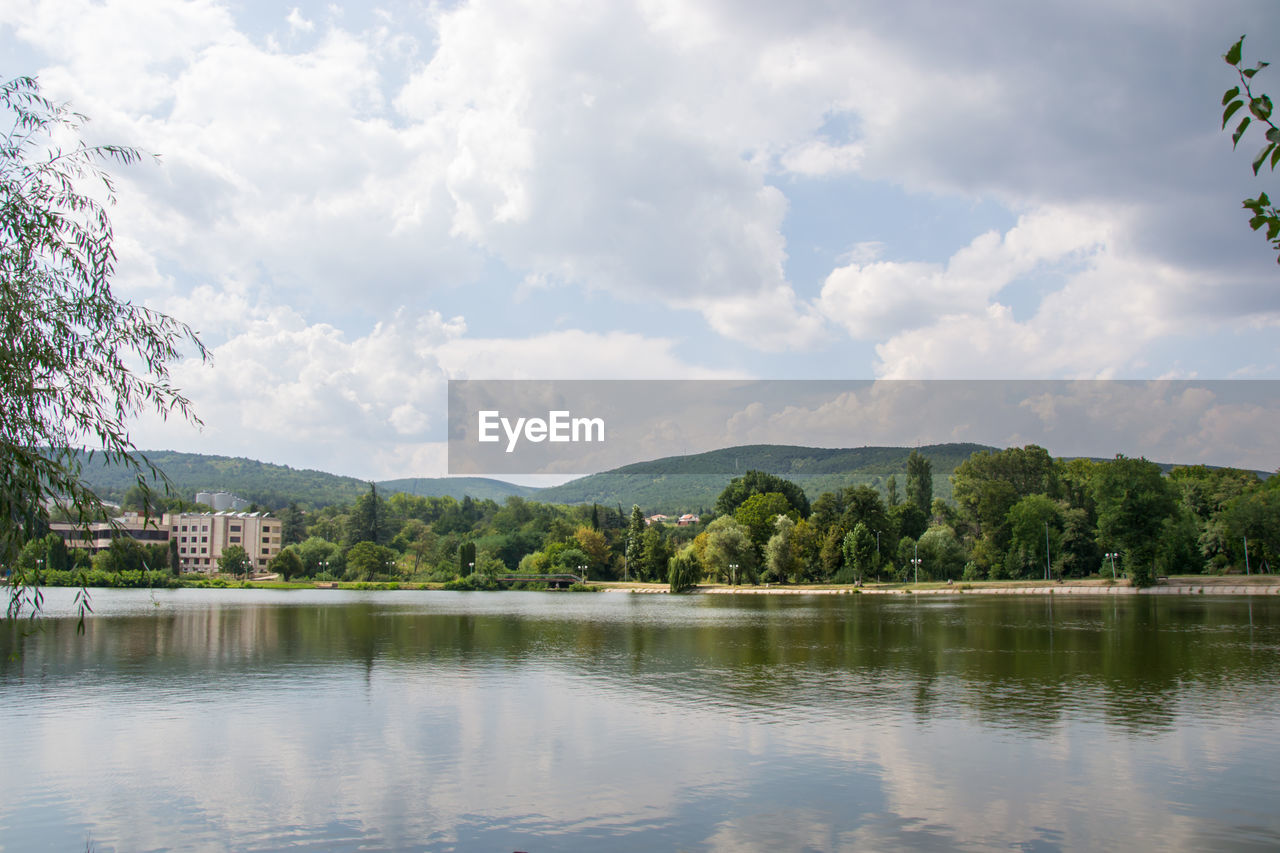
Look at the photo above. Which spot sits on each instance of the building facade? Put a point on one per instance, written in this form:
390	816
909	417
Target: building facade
200	537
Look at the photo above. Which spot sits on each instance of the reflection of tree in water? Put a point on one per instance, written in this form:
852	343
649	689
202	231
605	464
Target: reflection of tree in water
1025	662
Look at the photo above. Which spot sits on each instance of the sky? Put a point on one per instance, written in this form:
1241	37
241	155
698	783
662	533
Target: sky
354	203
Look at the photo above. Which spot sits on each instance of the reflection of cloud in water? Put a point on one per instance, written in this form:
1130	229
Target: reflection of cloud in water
739	725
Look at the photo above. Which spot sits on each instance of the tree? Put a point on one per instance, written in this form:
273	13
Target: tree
1133	501
232	561
593	544
367	521
76	362
909	519
729	543
1254	517
287	563
654	554
635	535
859	548
759	483
319	556
56	556
863	505
367	560
942	557
683	570
782	563
891	491
293	524
1035	523
758	513
1264	213
919	480
467	558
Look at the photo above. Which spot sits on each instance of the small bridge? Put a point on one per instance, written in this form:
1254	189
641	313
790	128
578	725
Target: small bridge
553	581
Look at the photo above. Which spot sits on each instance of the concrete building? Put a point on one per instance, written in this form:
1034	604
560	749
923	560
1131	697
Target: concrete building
98	536
201	537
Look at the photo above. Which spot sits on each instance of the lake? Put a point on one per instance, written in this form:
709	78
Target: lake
334	720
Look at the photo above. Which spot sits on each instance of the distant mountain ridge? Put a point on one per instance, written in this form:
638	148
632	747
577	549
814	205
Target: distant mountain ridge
670	484
685	483
275	486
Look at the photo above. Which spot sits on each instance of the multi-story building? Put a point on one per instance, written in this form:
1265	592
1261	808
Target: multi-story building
200	537
98	535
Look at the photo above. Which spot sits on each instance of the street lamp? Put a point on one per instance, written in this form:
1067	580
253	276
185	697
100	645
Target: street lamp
915	561
733	574
1111	555
1046	550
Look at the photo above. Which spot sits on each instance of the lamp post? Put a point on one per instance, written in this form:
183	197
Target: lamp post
1111	555
1046	550
1246	555
915	561
733	574
582	570
471	568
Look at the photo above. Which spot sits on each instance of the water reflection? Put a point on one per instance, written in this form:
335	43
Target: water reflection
542	721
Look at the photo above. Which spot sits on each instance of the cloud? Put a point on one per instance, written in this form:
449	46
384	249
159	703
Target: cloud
298	23
883	298
371	405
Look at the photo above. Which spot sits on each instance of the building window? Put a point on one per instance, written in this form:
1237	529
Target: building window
235	528
204	538
234	538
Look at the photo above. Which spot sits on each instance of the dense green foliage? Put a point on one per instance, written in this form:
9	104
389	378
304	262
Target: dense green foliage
1020	514
688	483
1263	213
76	362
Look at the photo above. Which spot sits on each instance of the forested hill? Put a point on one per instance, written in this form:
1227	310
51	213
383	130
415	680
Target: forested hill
480	488
686	483
275	486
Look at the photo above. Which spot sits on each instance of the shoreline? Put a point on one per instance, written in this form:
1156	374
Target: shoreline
1258	585
1213	585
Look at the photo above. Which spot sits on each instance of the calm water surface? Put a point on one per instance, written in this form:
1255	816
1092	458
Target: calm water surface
326	720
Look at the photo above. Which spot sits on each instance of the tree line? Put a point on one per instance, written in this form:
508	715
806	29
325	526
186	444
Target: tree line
1017	514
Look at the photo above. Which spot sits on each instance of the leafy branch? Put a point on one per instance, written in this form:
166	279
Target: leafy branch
76	362
1264	213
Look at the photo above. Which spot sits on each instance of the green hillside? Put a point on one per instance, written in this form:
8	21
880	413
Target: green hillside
480	488
274	486
258	482
686	483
